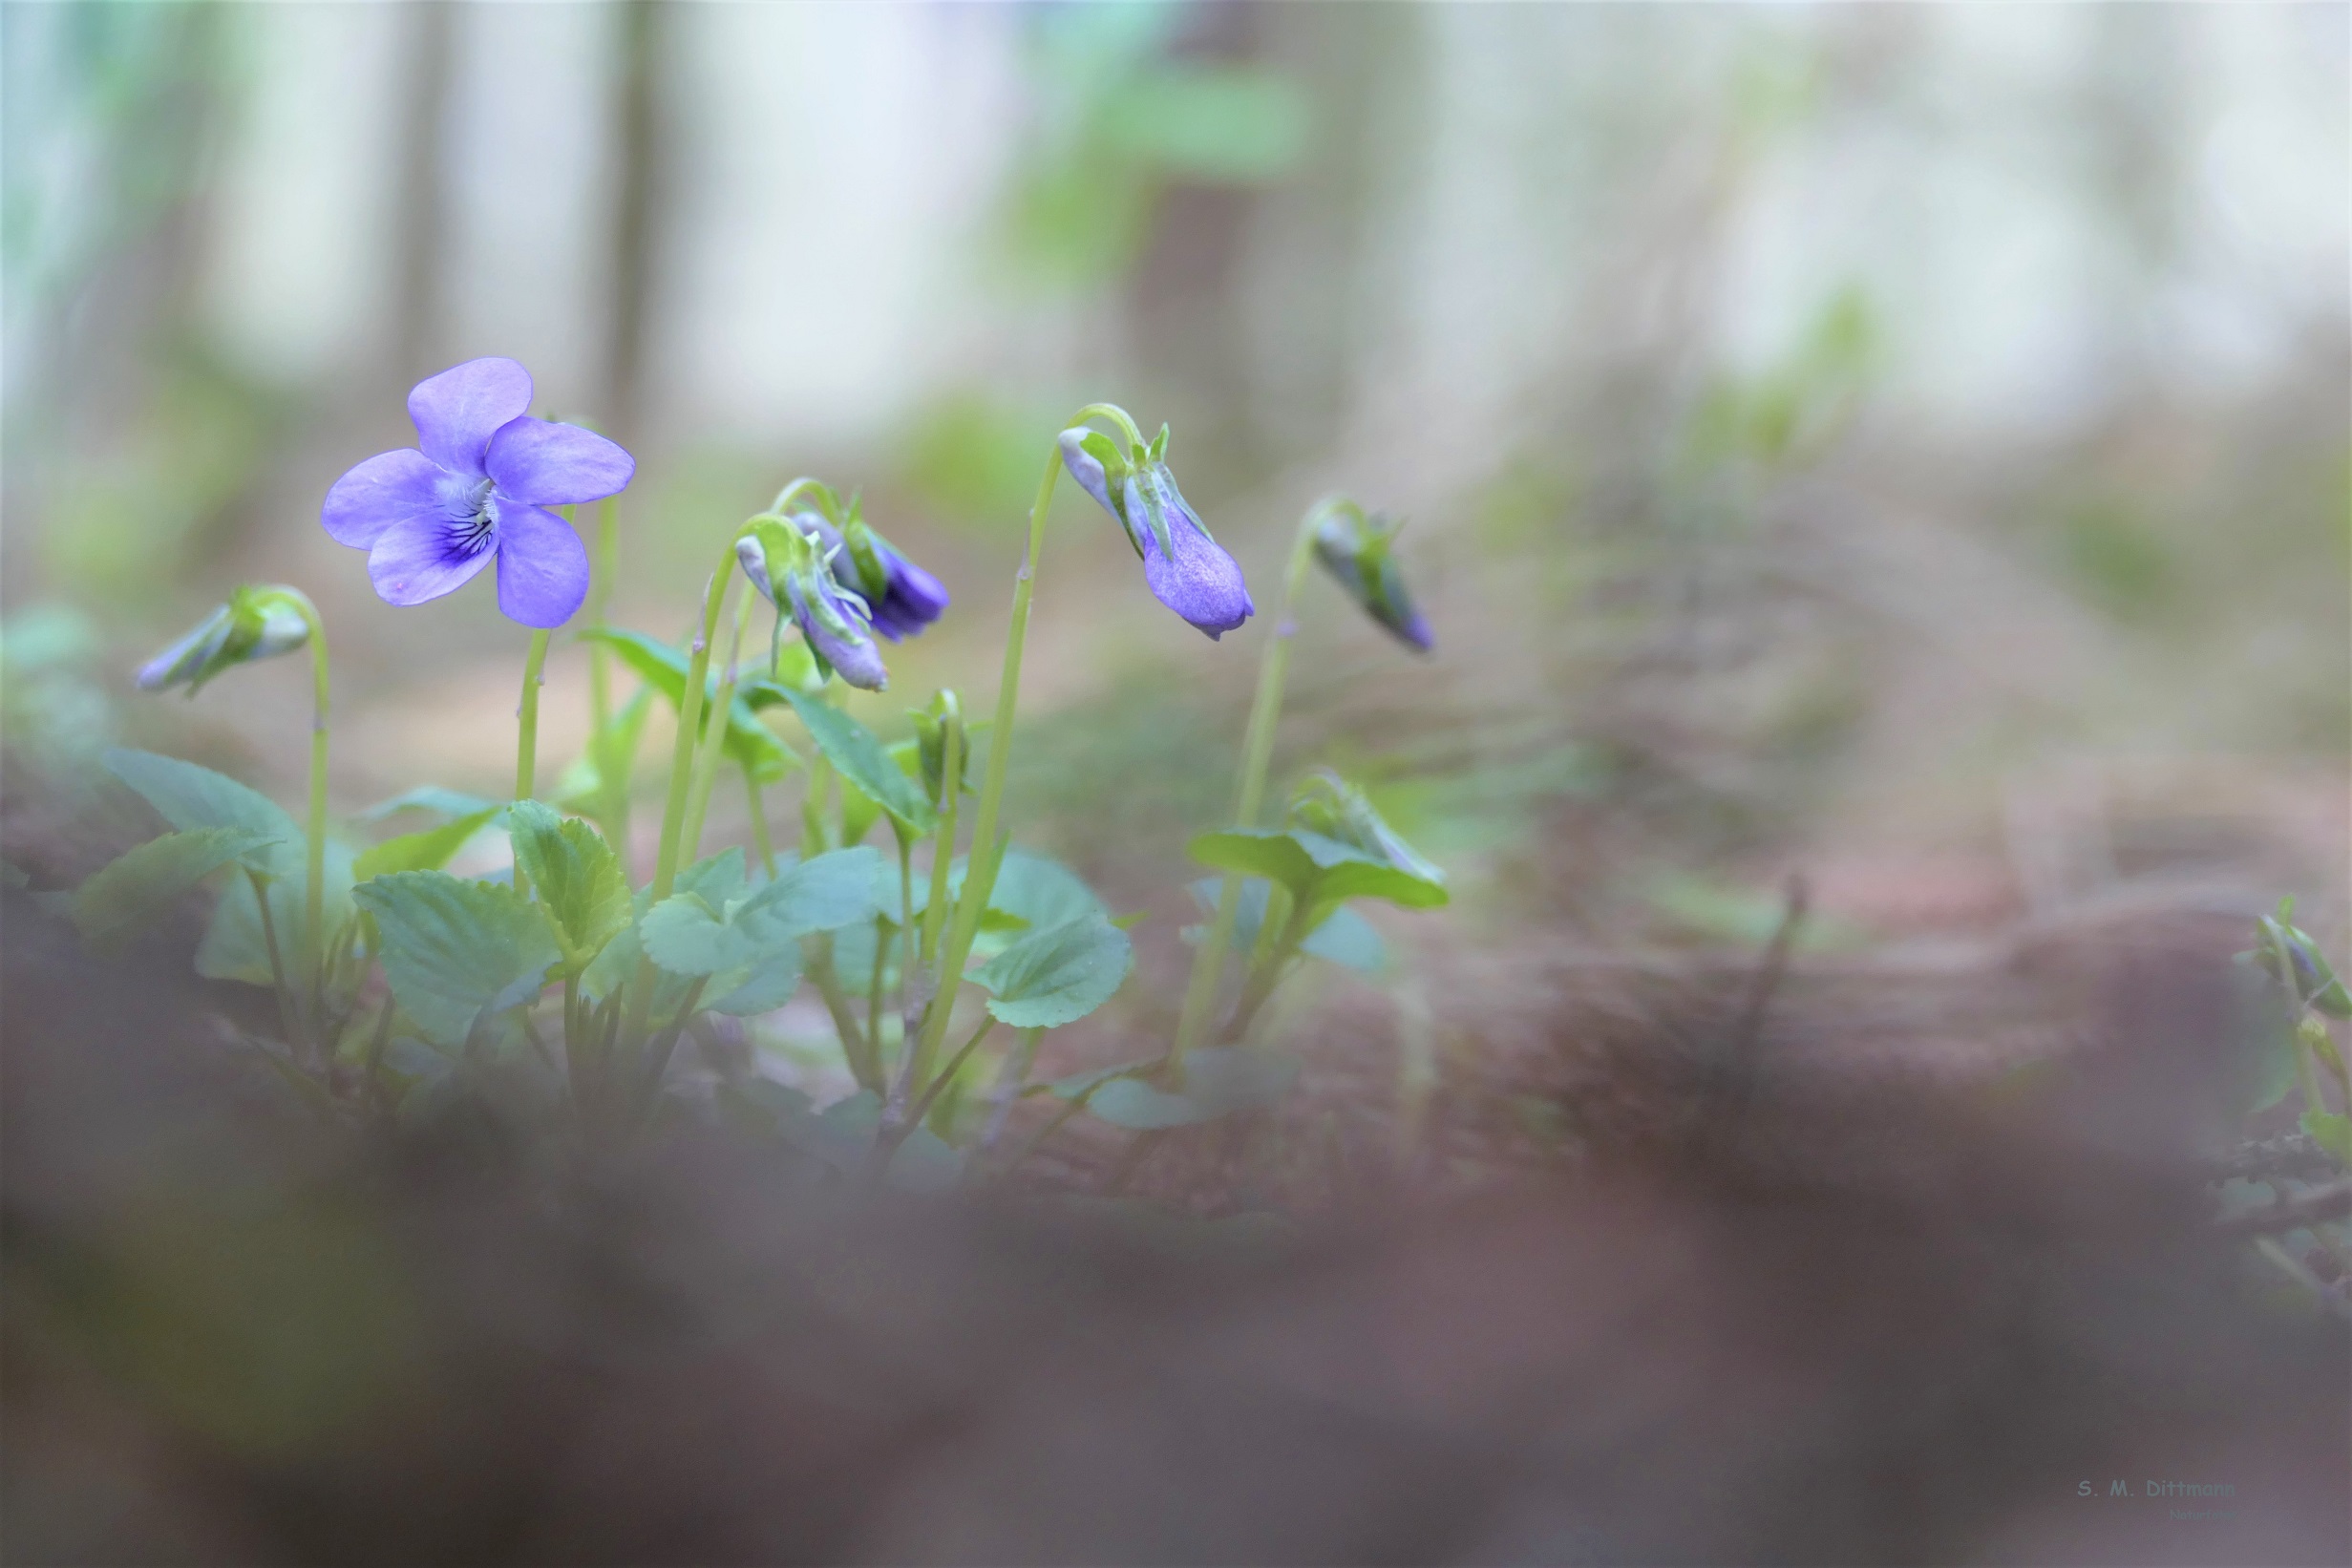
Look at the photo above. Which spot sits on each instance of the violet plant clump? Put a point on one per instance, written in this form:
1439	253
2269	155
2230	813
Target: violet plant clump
568	973
2311	1178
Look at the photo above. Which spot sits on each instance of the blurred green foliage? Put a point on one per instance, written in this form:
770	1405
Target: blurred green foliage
1116	119
126	528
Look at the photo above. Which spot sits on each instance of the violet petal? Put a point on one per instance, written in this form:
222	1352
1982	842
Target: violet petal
542	566
459	411
1203	583
378	493
549	464
421	558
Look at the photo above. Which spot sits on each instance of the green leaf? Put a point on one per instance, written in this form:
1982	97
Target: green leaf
1352	873
1259	851
1059	975
690	933
716	879
1079	1084
761	989
190	797
457	953
861	762
576	876
135	887
1317	870
1341	937
749	743
429	850
2331	1133
235	946
1219	1080
842	1136
430	797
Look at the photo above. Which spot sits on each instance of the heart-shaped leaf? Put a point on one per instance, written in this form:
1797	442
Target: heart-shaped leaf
135	887
457	953
689	933
576	876
427	850
190	797
1059	975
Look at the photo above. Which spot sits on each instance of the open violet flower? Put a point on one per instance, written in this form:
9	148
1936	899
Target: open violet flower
479	489
1186	570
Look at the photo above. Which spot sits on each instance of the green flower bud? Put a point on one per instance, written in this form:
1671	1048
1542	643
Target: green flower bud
1328	804
255	624
1354	548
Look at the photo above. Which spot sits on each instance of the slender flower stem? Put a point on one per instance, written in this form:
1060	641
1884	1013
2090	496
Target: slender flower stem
526	733
760	823
681	777
526	717
707	758
311	1003
873	986
977	886
1016	1073
1249	794
657	1062
900	1123
612	796
943	842
277	964
905	938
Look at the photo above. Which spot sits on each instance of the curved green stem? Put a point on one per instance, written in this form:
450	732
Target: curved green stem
977	885
707	758
760	842
611	800
1249	794
311	1000
681	777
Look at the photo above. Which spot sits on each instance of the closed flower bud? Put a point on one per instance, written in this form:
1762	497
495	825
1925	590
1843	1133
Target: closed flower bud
255	624
789	563
933	725
1328	804
1355	549
1185	568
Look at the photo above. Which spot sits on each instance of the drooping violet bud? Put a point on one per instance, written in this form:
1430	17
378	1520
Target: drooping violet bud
1185	568
1183	564
474	489
254	624
904	598
1355	549
792	566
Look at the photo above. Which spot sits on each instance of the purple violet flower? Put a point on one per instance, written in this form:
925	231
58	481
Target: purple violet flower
478	488
1185	568
837	623
904	596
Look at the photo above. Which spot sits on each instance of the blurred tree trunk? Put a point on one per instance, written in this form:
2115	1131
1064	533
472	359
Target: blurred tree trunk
421	222
640	112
